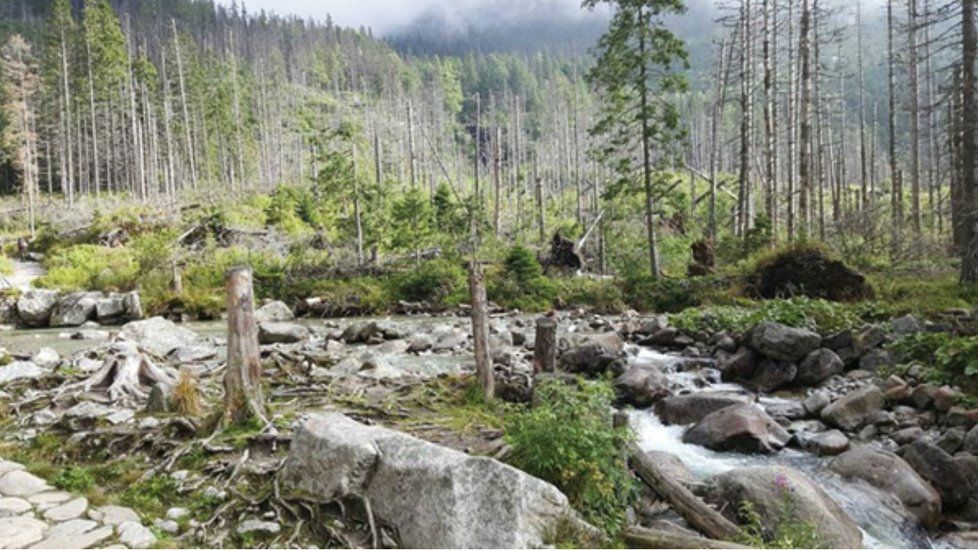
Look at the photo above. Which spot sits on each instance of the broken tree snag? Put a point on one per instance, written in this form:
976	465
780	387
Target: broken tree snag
700	515
480	329
640	537
545	345
242	379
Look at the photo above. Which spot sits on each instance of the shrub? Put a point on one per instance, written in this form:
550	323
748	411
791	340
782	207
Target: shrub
186	396
75	479
784	529
603	296
90	267
817	315
522	284
437	282
659	294
567	439
953	360
522	266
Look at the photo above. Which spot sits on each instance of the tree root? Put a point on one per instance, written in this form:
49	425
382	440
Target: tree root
125	373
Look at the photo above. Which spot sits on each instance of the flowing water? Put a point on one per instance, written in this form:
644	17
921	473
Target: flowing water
879	515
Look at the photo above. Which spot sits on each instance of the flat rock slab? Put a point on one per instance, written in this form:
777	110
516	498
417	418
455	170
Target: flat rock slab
69	510
49	497
134	535
13	506
19	483
86	540
71	528
21	532
113	515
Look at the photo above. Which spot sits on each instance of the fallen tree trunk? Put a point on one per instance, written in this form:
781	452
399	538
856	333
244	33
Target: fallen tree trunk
700	515
640	537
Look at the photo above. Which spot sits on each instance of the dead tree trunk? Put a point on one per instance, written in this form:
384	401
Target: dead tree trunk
480	329
545	345
242	379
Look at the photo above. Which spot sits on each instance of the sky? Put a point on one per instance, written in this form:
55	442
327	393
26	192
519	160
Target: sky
387	15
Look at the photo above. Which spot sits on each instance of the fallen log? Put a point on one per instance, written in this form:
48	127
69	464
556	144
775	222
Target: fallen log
640	537
700	515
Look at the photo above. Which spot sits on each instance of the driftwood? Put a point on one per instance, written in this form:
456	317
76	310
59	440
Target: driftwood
640	537
696	512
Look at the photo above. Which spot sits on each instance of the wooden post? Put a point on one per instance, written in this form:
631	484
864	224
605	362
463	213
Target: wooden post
242	379
545	345
480	329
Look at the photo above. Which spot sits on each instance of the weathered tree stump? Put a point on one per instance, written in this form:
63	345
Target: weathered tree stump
242	380
545	346
480	329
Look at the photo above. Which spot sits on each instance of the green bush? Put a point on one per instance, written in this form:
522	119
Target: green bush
75	479
151	497
358	296
440	282
521	284
819	315
522	266
90	267
951	359
659	294
568	440
602	296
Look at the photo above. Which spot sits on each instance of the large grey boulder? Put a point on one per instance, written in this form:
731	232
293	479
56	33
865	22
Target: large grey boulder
938	467
854	409
75	309
691	408
34	307
783	343
281	333
641	386
771	375
117	308
274	312
435	497
591	359
158	335
767	487
743	428
891	474
818	366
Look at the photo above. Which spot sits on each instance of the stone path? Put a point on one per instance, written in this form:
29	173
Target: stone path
35	515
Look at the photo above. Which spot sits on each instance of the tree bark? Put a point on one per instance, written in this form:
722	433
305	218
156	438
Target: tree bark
242	380
696	512
640	537
480	329
969	144
545	345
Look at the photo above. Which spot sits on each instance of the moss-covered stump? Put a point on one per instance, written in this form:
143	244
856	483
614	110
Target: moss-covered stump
807	271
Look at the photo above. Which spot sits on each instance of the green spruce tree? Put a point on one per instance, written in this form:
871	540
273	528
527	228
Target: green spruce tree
635	75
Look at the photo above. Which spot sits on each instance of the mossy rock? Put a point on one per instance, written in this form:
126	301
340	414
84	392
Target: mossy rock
810	271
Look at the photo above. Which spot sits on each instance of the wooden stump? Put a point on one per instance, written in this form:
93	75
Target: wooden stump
545	345
242	379
480	330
